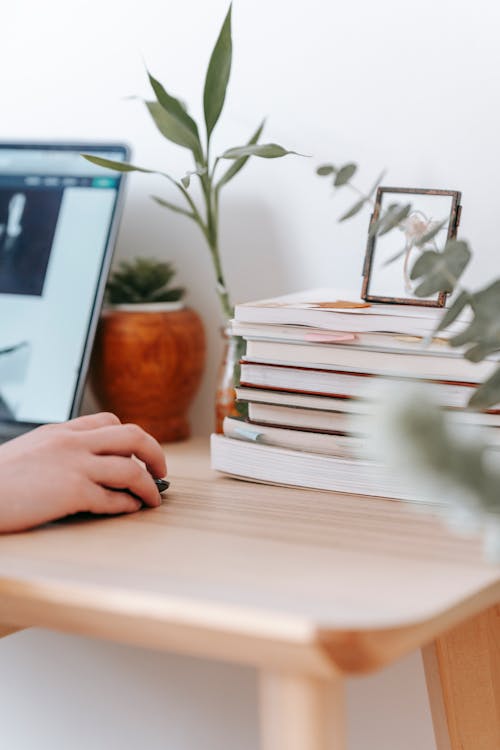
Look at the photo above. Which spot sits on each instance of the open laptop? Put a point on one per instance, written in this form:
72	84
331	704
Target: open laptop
58	222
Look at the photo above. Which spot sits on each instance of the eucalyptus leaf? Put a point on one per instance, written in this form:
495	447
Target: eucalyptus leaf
440	271
218	72
488	394
354	210
395	257
376	183
484	328
240	163
393	218
344	174
432	233
458	304
389	219
172	207
478	352
173	129
175	108
264	150
325	170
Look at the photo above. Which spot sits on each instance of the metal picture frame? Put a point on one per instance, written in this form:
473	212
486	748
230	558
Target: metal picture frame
368	267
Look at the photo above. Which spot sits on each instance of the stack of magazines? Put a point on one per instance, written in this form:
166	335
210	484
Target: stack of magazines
313	363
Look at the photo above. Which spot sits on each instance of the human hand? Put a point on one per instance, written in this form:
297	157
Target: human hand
81	465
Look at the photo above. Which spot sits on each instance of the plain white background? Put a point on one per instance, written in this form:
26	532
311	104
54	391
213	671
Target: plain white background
408	86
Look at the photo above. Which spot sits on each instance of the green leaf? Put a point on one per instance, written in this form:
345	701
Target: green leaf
456	307
488	394
483	332
344	174
142	280
390	218
121	166
172	206
117	166
428	236
173	129
376	183
354	210
325	170
168	295
393	218
264	150
480	351
186	180
219	69
174	107
395	257
440	270
240	163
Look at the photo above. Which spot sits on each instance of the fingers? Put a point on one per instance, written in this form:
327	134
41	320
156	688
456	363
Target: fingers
128	440
120	473
93	421
110	502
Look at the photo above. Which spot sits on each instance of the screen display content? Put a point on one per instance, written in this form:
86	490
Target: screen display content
56	216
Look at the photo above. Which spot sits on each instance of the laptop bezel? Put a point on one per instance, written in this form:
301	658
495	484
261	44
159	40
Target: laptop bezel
81	147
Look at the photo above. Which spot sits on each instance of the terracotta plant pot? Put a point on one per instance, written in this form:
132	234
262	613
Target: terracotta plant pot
147	365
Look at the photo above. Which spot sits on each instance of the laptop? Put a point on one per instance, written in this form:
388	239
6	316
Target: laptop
58	222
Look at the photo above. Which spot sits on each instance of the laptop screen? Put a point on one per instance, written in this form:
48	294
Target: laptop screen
58	214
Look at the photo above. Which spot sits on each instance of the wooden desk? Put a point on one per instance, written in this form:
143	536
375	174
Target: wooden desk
306	586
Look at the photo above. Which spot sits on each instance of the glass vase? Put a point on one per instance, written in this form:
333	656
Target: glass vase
228	379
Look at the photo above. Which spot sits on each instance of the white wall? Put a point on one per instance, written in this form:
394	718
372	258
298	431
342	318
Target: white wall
412	87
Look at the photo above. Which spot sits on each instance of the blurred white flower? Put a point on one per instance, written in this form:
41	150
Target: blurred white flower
416	225
440	460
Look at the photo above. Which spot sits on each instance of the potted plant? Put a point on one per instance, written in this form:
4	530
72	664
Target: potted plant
149	353
172	119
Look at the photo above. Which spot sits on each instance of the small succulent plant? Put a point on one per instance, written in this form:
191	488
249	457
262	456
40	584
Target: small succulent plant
143	280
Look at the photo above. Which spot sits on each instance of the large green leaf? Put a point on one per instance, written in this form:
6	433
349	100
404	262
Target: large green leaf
173	129
440	271
482	334
432	233
488	394
264	150
117	166
123	166
219	69
176	110
393	218
240	163
394	214
458	304
344	174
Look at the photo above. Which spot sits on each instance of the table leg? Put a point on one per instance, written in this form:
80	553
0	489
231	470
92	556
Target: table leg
463	681
299	712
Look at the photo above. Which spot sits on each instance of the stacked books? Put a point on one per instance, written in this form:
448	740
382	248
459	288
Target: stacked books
313	362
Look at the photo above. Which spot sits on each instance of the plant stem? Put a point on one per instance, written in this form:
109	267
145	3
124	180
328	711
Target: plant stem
212	237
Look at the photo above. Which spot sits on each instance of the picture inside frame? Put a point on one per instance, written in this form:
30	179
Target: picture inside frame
392	253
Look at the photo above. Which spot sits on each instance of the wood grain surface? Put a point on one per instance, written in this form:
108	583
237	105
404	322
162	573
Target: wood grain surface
463	678
320	582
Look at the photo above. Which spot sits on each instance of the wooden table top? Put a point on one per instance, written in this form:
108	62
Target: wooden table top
255	574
